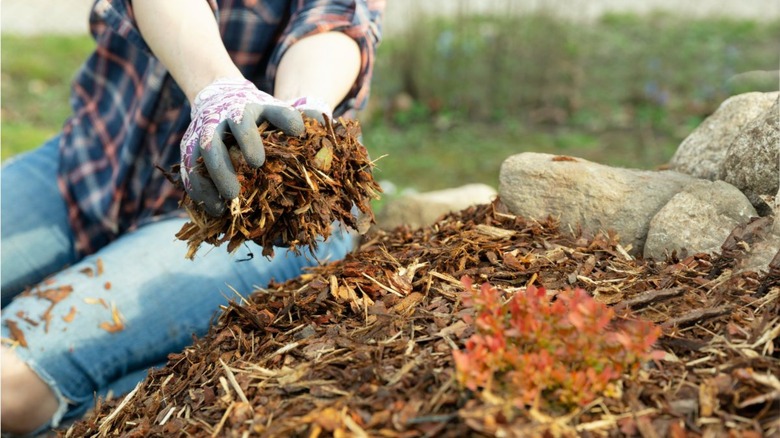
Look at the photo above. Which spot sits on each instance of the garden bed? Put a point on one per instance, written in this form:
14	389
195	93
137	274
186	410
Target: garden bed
364	346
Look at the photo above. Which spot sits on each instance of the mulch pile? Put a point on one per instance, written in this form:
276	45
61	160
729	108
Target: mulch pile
305	184
363	347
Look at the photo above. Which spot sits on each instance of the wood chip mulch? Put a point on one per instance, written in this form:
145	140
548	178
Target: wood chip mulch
363	347
305	184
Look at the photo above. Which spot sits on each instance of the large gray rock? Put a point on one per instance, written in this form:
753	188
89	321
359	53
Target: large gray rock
752	161
594	196
702	153
697	219
421	209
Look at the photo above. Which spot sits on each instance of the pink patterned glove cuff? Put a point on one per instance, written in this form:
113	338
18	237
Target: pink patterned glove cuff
223	99
226	92
311	105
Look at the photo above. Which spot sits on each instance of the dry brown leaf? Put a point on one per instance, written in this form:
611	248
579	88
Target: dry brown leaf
99	301
16	333
55	295
88	271
24	317
72	314
116	324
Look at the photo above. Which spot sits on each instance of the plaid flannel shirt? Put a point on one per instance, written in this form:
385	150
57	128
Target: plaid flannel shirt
129	115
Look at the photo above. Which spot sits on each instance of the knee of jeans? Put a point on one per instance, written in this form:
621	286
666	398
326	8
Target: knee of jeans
18	275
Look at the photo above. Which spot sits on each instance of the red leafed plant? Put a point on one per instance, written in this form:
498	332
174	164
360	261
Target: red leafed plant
532	350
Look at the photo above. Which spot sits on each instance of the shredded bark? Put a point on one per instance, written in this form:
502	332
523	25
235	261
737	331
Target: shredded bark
305	185
363	347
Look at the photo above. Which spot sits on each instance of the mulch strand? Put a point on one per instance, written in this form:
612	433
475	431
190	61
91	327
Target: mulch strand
305	185
363	347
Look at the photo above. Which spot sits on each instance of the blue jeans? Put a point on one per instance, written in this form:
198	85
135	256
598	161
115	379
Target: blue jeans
161	298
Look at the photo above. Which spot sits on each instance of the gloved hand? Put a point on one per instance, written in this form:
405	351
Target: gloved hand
312	107
233	104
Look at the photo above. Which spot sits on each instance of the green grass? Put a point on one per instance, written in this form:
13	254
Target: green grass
623	91
453	98
36	74
428	159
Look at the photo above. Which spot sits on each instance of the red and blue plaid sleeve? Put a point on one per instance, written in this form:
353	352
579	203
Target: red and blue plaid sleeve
360	20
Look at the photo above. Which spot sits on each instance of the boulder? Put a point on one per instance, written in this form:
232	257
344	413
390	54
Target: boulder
752	161
697	219
702	153
421	209
582	193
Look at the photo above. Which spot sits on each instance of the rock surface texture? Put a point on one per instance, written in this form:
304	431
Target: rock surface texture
752	161
698	219
702	153
595	197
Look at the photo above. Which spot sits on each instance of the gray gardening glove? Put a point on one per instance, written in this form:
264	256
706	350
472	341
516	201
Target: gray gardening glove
312	107
237	106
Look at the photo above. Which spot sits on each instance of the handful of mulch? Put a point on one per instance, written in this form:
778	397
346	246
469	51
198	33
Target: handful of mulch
305	185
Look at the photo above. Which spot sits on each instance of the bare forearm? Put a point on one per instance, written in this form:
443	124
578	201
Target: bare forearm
324	65
184	36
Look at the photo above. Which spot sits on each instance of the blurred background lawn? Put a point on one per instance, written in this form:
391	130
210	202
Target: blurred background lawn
453	97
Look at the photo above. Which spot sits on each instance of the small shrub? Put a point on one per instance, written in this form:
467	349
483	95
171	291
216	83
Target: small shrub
530	350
